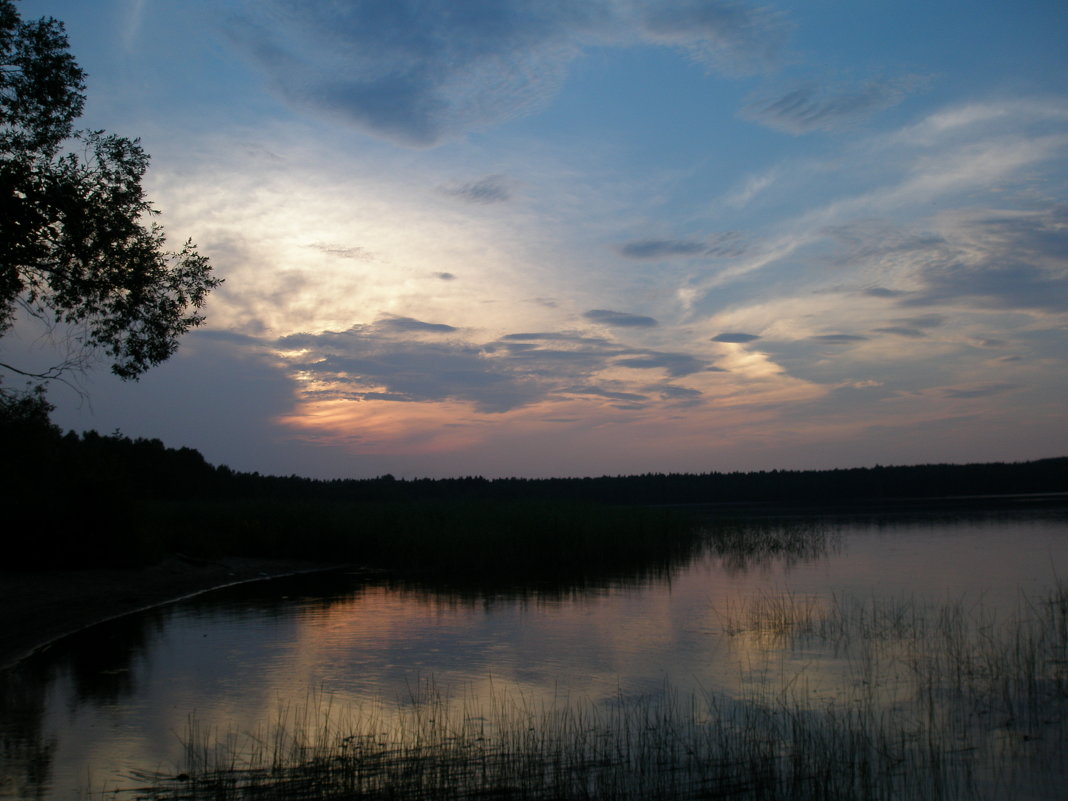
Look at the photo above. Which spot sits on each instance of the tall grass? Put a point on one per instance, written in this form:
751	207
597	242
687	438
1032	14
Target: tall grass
940	702
747	543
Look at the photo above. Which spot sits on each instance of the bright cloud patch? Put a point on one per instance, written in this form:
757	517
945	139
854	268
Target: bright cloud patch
383	362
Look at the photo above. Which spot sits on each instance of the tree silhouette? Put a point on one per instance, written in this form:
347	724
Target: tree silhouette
78	248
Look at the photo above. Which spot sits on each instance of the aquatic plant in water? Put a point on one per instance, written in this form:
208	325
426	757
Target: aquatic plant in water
934	702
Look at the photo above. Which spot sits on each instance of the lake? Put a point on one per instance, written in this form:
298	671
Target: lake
830	626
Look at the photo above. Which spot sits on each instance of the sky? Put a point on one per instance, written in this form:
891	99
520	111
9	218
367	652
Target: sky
595	237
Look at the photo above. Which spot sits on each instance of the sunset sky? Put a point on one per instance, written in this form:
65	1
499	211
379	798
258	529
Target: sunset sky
585	237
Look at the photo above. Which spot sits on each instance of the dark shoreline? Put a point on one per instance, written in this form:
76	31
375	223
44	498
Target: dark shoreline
40	608
956	505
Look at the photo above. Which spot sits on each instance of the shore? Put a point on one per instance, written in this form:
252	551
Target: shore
38	608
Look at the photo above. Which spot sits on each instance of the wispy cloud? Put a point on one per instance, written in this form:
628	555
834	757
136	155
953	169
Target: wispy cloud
662	248
621	319
752	186
415	72
419	72
676	364
838	339
901	331
719	245
491	189
726	34
132	23
344	251
409	325
813	107
980	391
981	258
914	177
883	292
735	336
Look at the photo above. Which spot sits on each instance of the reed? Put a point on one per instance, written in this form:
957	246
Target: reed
937	702
744	544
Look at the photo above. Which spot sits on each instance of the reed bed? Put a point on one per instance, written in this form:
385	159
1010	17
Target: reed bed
931	702
744	544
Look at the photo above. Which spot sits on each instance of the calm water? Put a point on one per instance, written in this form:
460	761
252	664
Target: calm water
119	699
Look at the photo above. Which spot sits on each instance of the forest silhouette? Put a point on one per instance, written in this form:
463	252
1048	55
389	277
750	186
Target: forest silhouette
86	499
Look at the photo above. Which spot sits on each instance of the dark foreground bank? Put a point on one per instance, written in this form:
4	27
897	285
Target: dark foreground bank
37	608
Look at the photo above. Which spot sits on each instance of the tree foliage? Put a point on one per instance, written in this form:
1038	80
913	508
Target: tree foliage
78	245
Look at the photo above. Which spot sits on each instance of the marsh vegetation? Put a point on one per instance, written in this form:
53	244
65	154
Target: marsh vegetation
956	700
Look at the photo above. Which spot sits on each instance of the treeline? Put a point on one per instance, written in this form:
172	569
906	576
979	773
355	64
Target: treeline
819	487
80	499
85	500
41	457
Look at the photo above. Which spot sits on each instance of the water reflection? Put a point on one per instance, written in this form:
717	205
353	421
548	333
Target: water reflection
242	648
118	697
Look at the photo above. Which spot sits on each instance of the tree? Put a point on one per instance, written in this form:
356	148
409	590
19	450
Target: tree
78	246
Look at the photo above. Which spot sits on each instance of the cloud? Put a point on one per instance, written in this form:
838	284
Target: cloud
676	364
419	72
811	107
415	72
363	364
870	239
720	245
999	286
750	188
679	397
977	258
734	336
901	331
491	189
983	258
730	35
906	177
555	336
411	325
445	276
621	319
924	321
661	248
602	392
882	292
981	391
552	362
838	339
911	327
383	362
344	252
